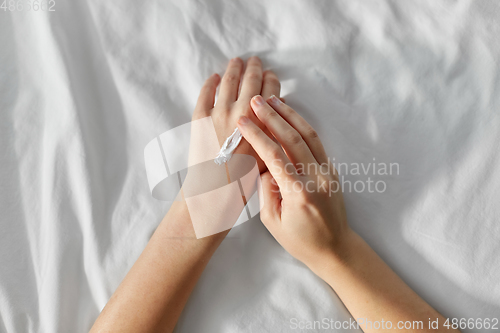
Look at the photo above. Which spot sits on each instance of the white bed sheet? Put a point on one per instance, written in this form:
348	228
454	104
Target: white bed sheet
84	88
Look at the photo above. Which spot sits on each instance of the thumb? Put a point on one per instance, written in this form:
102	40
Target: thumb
270	213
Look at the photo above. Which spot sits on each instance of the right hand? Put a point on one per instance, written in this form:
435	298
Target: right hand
311	224
301	208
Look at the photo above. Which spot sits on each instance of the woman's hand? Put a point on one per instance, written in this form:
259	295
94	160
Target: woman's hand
233	101
308	219
154	292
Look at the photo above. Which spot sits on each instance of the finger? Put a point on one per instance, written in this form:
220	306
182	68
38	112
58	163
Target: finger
252	79
295	147
271	211
273	156
307	132
230	82
270	85
282	99
206	99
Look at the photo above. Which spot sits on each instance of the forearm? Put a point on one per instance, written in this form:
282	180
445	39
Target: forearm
154	292
312	224
372	291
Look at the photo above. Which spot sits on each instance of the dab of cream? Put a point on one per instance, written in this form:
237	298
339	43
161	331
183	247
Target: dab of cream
228	147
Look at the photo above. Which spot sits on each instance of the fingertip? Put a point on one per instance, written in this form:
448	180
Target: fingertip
269	72
273	100
236	60
258	100
214	78
255	58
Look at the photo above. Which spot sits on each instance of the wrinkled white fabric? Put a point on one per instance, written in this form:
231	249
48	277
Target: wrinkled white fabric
228	147
85	88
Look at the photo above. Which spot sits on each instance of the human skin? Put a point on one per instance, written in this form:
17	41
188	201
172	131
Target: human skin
154	292
311	226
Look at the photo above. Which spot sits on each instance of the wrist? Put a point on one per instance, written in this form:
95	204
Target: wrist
177	225
337	256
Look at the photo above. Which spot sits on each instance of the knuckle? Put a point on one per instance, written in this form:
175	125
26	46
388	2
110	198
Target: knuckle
270	116
218	116
255	131
254	76
311	133
274	153
272	80
292	137
231	78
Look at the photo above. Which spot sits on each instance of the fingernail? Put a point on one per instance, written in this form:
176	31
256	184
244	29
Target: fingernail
275	100
259	100
243	120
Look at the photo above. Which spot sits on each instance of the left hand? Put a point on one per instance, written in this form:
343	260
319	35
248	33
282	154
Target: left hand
233	102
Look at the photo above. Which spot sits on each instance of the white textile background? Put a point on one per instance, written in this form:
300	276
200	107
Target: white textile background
85	88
